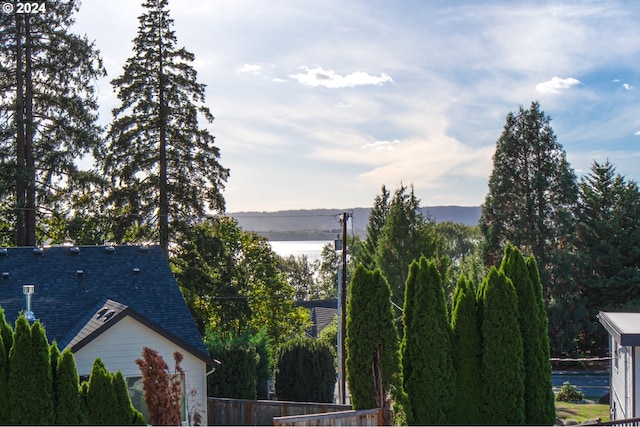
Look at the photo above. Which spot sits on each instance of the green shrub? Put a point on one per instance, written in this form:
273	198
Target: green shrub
305	371
569	393
236	377
67	390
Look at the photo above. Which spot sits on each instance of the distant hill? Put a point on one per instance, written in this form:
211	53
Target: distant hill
323	224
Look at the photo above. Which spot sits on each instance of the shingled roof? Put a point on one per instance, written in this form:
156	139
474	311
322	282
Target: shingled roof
74	285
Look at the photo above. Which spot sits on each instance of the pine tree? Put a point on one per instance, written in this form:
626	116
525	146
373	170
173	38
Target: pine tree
67	390
405	236
430	378
467	361
547	406
373	369
531	199
502	358
608	241
164	167
46	82
100	395
377	217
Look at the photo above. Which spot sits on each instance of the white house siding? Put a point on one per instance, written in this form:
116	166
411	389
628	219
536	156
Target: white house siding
635	386
621	381
120	346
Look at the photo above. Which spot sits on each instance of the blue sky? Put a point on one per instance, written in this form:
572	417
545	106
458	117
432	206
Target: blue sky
320	103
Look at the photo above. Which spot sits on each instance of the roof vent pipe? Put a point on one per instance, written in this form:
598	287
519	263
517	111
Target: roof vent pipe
136	272
29	290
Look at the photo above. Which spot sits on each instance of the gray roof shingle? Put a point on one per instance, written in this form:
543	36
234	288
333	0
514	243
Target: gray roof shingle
72	286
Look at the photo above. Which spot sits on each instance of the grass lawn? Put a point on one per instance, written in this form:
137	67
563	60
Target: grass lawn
582	411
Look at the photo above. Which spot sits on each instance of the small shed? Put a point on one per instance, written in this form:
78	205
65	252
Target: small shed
624	373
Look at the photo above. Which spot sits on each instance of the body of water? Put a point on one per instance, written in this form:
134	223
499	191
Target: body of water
311	248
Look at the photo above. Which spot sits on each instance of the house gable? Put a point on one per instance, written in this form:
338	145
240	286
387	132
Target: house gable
71	284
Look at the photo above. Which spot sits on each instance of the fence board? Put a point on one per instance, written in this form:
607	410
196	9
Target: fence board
232	412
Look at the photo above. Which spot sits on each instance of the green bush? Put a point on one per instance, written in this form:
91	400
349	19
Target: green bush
305	371
569	393
66	390
236	377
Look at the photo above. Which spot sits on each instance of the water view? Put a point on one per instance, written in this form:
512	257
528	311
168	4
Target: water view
311	248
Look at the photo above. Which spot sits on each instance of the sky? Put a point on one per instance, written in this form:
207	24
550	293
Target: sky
318	104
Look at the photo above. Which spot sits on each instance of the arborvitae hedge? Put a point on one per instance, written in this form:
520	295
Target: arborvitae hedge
124	413
374	373
67	390
467	360
502	358
305	371
42	396
21	383
4	389
548	409
101	397
236	377
430	378
514	266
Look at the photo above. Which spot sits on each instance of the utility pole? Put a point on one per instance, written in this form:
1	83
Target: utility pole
342	304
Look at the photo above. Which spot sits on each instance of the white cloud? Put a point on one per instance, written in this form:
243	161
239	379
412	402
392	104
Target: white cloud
330	79
250	68
556	84
637	133
382	145
627	86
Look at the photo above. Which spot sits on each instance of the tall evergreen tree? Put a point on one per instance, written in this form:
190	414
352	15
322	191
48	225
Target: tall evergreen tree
366	252
405	236
373	366
164	167
67	390
20	380
100	395
428	375
46	88
467	361
4	386
608	240
531	199
514	267
42	395
502	358
546	395
6	331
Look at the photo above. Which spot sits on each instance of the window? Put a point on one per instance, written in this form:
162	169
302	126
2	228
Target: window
136	392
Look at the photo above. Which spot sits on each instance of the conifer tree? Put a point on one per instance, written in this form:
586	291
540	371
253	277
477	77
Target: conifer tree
124	413
429	378
100	395
67	390
502	358
4	388
42	394
20	380
548	407
6	331
164	167
467	360
531	200
46	85
373	366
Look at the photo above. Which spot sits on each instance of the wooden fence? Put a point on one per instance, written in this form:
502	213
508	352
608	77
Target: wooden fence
235	412
370	417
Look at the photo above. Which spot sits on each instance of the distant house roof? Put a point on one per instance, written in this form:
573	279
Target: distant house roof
82	291
625	327
322	313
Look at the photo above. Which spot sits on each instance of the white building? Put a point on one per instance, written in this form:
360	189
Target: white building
624	346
